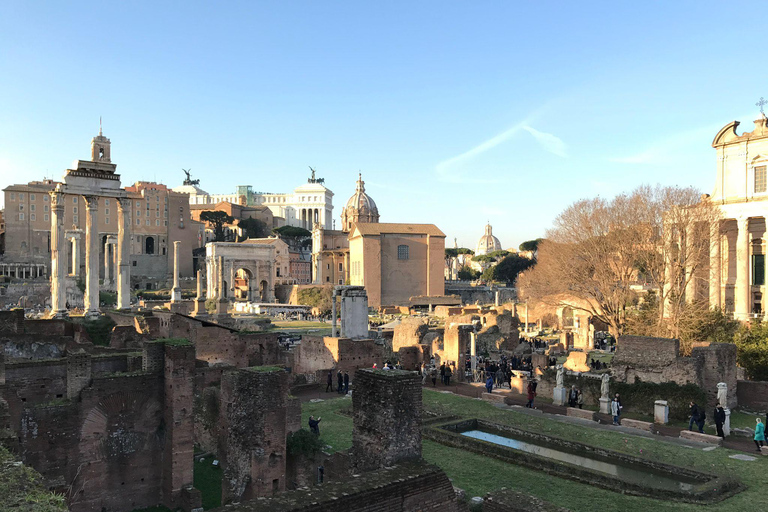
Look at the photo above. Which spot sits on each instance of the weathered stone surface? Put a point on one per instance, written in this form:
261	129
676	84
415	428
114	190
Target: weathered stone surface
577	362
580	413
507	500
409	332
701	438
496	398
642	425
387	410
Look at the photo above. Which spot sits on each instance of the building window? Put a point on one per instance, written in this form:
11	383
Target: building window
31	197
21	196
45	198
106	220
32	217
74	200
147	222
13	196
21	216
157	222
106	202
21	207
341	267
75	219
760	179
758	269
45	207
402	252
45	217
31	207
138	222
74	210
106	211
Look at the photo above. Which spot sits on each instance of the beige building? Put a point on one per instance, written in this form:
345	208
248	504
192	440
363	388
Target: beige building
397	261
737	259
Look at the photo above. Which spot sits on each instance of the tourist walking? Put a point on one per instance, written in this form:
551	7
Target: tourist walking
531	394
442	373
489	384
759	434
572	397
616	410
719	420
448	373
329	385
314	425
346	383
696	417
433	375
340	382
580	399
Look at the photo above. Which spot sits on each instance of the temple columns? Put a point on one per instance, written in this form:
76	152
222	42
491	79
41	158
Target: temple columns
123	254
715	269
742	300
91	256
58	257
176	290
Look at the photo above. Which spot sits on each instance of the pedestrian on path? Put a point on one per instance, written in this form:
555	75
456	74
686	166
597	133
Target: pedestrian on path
346	383
329	385
442	373
531	394
433	375
572	397
697	416
489	384
340	382
616	410
314	425
720	420
759	434
580	399
448	373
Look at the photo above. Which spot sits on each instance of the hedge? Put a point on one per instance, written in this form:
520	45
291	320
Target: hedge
641	396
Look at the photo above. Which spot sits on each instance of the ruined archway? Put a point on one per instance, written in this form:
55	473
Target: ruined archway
243	279
149	245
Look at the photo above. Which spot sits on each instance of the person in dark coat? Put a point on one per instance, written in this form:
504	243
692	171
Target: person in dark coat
719	420
442	373
489	384
339	382
572	397
695	418
314	425
346	383
329	385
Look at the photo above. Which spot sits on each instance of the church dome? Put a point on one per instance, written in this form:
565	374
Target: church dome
488	243
360	207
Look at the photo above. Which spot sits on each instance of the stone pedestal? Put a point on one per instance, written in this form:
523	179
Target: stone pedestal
559	396
605	406
661	412
727	424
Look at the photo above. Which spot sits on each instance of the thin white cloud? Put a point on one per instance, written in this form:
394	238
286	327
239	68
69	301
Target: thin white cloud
549	142
446	170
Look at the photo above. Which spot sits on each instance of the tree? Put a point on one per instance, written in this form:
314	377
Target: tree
599	250
216	219
530	245
468	273
297	238
752	350
508	268
253	228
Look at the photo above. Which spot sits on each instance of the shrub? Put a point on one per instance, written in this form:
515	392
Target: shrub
640	397
303	443
752	345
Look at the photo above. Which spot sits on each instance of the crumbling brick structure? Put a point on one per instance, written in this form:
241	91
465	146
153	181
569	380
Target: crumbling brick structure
254	419
659	360
387	412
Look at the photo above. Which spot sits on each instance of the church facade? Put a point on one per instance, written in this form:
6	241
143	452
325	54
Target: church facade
737	255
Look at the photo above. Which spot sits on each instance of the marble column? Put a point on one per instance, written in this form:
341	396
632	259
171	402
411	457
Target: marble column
91	256
742	292
58	257
690	279
221	301
107	282
715	269
199	299
176	290
75	241
123	254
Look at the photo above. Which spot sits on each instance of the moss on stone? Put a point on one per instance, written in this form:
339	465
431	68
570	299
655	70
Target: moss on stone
173	342
266	369
22	489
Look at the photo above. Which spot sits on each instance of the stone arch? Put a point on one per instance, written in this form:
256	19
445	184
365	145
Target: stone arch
243	279
149	245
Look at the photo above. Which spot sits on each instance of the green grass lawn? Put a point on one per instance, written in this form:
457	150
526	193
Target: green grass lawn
207	479
478	475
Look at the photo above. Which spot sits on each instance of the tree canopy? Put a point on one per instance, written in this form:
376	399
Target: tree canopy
253	228
508	268
297	238
531	245
216	219
454	252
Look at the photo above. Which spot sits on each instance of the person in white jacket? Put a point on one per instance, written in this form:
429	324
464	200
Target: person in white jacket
615	410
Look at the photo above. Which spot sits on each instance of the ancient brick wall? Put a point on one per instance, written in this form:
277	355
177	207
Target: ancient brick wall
354	354
313	354
33	346
716	363
110	364
78	373
252	432
387	410
752	395
408	487
409	333
646	351
12	322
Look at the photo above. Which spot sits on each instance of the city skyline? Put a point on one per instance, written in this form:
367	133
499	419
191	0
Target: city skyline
455	116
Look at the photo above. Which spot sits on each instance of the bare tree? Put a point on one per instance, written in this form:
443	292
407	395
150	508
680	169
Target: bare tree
600	254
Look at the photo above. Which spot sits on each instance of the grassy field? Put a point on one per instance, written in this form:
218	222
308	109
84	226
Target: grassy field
478	475
207	479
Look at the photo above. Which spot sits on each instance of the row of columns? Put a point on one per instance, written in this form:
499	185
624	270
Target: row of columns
23	270
59	255
742	305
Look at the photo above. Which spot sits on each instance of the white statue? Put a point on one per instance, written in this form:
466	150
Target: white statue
604	387
722	394
560	375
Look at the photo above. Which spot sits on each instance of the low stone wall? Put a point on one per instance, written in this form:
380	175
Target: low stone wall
507	500
407	486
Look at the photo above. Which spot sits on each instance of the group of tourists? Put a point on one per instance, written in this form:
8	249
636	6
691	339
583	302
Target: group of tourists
342	382
597	365
575	398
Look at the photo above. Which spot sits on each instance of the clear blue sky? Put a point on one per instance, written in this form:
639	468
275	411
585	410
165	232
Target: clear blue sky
455	112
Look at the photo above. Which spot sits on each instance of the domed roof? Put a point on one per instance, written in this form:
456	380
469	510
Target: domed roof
360	200
488	243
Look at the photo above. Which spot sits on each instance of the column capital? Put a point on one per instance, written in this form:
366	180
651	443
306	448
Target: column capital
123	203
57	199
91	202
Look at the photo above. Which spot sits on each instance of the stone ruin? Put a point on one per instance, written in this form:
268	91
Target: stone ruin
659	360
114	428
